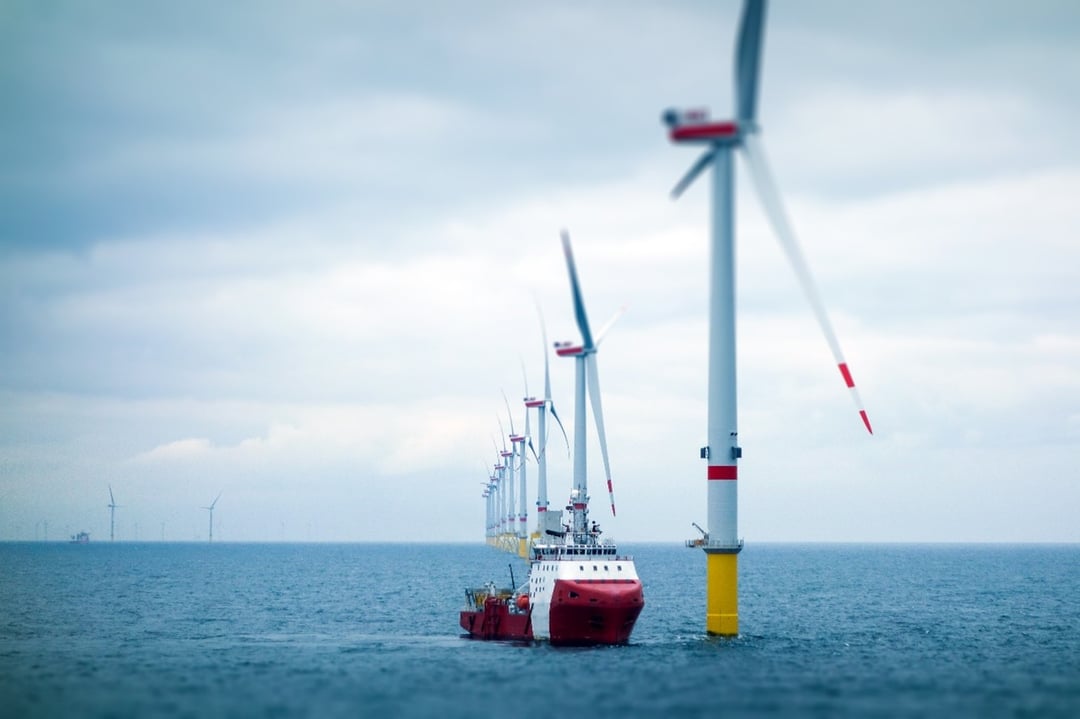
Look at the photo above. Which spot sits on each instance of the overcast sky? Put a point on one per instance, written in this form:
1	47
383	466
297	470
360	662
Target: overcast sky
291	253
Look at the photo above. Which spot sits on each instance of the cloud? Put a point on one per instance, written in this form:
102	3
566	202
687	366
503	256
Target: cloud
176	451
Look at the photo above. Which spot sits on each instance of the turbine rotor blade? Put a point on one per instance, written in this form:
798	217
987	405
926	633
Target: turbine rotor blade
575	290
598	416
774	210
547	373
748	60
692	174
508	412
558	421
609	324
528	428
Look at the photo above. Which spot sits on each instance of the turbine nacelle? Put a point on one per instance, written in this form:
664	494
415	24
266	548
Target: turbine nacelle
569	349
532	402
517	438
695	126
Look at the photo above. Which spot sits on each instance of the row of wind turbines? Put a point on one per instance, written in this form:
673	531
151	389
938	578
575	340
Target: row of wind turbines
502	494
113	506
720	542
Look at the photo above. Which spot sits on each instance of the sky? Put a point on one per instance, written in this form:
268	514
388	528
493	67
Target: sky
292	253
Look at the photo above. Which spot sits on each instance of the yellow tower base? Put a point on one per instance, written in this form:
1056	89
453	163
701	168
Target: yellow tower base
722	594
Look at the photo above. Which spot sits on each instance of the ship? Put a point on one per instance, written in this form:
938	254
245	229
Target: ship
580	592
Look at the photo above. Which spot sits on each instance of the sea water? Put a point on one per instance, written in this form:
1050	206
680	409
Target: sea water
371	630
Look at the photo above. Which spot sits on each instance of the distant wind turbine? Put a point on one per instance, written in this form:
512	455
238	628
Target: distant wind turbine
521	528
211	508
507	456
112	515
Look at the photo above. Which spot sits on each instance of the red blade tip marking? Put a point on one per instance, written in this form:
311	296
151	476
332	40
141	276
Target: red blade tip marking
847	374
865	420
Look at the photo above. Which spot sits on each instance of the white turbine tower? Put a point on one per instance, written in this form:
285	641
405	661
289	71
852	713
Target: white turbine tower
113	506
211	508
584	355
721	542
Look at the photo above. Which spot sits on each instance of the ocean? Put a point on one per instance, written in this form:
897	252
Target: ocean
371	630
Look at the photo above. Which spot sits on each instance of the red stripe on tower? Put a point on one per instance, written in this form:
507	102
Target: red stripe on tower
724	471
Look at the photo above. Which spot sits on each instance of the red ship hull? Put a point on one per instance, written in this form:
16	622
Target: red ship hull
582	613
496	621
588	611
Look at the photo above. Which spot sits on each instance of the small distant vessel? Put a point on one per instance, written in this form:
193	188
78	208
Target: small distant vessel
80	538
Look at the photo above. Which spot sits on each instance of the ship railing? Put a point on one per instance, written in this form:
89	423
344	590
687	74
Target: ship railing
579	551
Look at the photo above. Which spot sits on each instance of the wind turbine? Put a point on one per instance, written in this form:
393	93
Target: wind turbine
496	499
721	542
508	465
500	503
545	519
584	355
486	495
211	508
521	528
113	506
